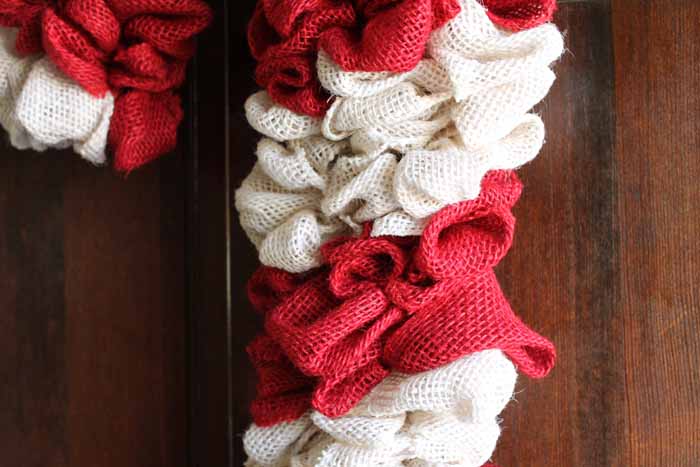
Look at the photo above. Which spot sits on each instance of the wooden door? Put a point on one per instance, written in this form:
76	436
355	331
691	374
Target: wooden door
123	320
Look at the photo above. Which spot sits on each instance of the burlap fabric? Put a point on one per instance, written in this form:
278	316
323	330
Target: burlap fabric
41	108
368	35
136	50
443	416
412	142
408	304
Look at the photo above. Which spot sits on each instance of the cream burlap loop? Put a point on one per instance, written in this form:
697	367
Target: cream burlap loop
354	83
295	245
14	71
445	439
41	108
277	122
272	447
477	55
360	430
398	223
476	387
404	102
481	122
279	203
442	417
360	189
479	76
302	165
339	190
428	180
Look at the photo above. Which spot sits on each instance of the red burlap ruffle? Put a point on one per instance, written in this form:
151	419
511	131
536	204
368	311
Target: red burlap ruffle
517	15
390	303
366	35
137	49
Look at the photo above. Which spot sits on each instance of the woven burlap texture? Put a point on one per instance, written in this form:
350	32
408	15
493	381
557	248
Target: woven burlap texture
368	35
445	416
41	108
407	144
520	14
378	304
137	50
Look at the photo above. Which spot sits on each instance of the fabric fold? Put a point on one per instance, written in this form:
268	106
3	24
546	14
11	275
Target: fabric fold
132	52
408	304
444	416
41	108
413	142
369	35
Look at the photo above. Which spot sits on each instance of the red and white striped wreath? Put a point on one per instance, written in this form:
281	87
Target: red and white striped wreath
380	204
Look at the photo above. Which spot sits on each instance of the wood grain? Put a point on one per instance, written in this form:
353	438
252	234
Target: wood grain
92	366
606	256
657	83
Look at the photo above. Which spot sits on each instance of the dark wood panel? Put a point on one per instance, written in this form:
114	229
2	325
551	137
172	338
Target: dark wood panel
657	70
125	326
606	256
244	258
33	368
207	226
559	274
92	318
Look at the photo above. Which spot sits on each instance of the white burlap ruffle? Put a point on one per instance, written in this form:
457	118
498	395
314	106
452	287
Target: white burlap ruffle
446	416
408	144
41	108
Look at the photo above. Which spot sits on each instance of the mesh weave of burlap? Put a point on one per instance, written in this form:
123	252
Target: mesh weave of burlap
41	108
408	304
368	35
412	142
445	416
136	50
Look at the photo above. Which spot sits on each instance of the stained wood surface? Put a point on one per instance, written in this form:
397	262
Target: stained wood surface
607	252
92	320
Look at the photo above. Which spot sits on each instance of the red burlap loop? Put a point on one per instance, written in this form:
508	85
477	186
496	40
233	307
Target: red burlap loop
144	126
268	287
168	25
283	37
393	37
366	35
142	67
472	236
517	15
282	389
359	264
128	47
97	20
292	83
26	16
387	303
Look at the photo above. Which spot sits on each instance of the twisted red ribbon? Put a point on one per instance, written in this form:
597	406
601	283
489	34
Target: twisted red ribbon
137	49
389	303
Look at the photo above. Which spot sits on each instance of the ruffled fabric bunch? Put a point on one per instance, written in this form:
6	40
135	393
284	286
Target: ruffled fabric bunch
89	74
380	204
